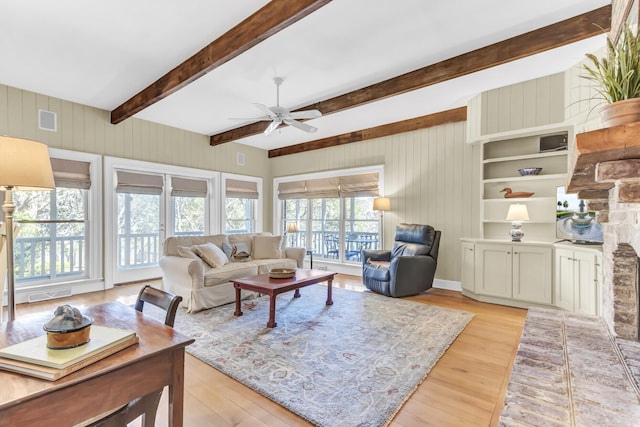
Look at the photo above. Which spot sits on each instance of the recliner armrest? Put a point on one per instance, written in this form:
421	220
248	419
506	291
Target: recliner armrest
376	255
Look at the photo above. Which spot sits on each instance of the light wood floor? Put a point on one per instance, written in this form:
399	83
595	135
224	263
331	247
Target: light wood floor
465	388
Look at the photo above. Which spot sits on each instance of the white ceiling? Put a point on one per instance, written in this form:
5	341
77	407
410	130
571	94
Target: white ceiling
101	53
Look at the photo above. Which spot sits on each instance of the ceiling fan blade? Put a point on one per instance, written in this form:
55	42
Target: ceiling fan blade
306	114
266	110
302	126
272	126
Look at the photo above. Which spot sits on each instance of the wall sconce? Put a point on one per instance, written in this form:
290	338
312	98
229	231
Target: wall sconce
516	214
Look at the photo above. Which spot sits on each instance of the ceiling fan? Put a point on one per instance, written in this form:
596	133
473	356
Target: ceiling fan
278	115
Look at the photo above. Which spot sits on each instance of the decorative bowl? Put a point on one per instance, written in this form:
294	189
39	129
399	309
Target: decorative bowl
68	328
68	339
529	171
282	273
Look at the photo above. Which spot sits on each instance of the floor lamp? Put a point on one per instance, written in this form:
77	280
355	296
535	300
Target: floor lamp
381	204
24	166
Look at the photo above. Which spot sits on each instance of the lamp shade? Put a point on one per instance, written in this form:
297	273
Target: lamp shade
518	212
25	165
292	227
381	204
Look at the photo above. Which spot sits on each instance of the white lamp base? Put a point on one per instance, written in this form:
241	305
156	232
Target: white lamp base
516	231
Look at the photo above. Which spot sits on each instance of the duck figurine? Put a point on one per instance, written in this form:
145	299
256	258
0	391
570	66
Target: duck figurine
508	194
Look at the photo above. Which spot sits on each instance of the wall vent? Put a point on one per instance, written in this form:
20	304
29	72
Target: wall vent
47	120
43	296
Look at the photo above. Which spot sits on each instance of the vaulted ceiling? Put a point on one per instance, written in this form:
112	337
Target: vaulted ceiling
371	67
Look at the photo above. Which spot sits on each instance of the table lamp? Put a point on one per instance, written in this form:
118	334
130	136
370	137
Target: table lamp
24	166
516	214
381	204
292	227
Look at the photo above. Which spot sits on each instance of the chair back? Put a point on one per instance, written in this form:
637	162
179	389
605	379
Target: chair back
416	239
162	299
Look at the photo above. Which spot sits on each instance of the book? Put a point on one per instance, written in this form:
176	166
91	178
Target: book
52	374
35	350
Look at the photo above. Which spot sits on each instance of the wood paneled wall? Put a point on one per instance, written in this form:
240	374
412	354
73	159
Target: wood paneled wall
431	175
88	129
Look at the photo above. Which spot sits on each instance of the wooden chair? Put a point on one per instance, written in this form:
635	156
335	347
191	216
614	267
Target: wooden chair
147	406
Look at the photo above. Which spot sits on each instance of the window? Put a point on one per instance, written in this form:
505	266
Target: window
56	241
138	219
241	203
189	206
338	211
51	242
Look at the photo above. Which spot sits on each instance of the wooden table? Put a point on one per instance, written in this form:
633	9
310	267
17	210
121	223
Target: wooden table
264	284
157	360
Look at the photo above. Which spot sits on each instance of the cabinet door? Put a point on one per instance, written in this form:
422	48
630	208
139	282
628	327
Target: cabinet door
532	276
493	270
563	295
468	267
584	282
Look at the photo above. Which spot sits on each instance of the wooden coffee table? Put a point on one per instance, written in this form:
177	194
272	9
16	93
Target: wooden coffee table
264	284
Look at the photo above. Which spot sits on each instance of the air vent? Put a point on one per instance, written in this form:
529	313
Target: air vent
47	120
43	296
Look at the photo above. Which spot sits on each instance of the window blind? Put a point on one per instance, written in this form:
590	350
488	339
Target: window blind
188	187
71	173
138	183
236	188
360	185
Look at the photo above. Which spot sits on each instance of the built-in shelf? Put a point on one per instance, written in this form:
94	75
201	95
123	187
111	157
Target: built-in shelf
528	178
501	160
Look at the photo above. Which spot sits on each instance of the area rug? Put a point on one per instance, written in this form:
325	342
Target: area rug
350	364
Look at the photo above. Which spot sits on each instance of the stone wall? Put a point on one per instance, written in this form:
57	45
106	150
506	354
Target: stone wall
621	246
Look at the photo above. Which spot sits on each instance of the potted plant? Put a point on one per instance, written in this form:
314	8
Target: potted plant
617	77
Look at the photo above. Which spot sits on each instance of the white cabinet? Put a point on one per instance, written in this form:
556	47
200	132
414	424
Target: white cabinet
517	271
468	266
578	278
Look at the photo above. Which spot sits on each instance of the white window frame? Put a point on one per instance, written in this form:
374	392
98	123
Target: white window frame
93	278
259	207
111	166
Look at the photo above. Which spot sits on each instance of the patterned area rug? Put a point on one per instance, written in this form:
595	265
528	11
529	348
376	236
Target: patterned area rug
350	364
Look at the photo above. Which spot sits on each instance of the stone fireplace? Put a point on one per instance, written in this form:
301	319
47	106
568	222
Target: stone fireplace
607	174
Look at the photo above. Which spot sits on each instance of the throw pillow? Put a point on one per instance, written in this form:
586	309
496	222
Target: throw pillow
211	254
267	247
186	252
236	251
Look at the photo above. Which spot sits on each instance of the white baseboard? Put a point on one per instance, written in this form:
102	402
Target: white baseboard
57	290
449	285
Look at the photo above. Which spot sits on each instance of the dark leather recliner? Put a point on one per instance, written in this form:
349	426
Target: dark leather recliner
408	268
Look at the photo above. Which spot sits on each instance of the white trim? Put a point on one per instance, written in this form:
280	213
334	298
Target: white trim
111	164
447	284
259	208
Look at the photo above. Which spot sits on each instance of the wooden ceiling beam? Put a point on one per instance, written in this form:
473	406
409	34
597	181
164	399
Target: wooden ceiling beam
430	120
550	37
269	20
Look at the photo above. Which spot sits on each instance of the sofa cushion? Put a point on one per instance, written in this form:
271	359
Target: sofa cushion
211	254
264	265
267	247
187	252
232	270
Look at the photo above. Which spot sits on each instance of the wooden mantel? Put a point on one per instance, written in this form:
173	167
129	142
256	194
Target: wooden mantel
602	145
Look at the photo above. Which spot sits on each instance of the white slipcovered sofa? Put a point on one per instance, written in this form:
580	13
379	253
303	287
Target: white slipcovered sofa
204	284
